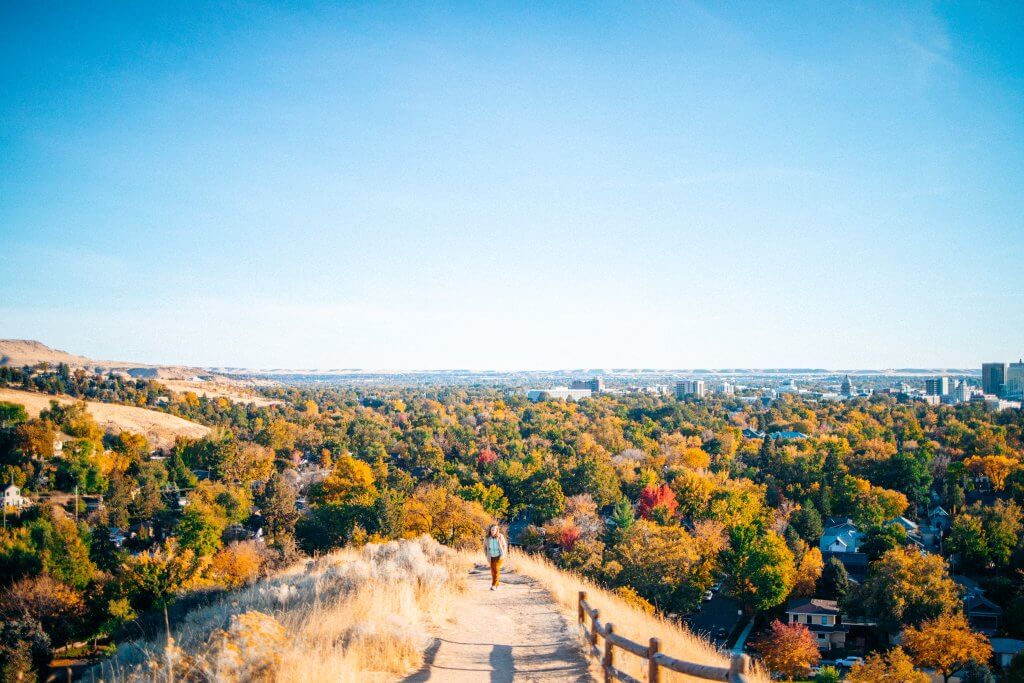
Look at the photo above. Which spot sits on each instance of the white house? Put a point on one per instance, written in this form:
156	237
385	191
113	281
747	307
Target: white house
841	536
14	499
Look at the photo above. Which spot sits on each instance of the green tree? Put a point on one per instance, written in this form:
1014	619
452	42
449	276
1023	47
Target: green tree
834	583
760	566
807	522
904	588
11	414
199	530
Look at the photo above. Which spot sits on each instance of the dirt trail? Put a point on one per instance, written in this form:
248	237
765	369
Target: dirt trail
515	633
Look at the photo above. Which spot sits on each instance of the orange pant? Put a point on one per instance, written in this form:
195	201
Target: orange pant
495	568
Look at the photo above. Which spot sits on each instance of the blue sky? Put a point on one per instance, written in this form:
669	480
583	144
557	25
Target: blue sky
515	185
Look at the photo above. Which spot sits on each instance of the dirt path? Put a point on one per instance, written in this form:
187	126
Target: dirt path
515	633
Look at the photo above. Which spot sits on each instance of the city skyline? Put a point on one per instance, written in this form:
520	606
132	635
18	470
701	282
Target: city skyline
514	188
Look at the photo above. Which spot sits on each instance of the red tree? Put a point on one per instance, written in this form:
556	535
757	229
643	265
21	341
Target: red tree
658	501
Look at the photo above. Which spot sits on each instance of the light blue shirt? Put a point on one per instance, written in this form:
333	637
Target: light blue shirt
493	547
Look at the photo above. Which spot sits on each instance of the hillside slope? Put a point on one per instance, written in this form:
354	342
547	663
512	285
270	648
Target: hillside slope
408	611
161	429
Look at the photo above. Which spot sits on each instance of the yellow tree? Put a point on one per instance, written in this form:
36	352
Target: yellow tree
995	468
788	649
946	644
808	571
892	667
349	483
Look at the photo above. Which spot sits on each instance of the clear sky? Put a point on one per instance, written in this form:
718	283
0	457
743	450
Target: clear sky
515	185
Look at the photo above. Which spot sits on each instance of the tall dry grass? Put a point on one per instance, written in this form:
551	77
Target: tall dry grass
353	615
630	622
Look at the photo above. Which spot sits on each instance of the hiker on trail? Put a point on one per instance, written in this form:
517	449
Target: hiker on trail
495	548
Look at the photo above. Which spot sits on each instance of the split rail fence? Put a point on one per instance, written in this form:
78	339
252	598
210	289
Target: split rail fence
738	671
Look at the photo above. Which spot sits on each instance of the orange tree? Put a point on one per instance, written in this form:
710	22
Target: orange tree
788	649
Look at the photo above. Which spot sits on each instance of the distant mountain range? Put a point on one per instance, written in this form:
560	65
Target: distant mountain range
21	352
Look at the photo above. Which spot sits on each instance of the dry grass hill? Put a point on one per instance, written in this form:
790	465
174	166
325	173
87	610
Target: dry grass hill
161	429
404	611
177	378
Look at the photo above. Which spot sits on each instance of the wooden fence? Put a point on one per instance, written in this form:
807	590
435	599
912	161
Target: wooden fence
737	672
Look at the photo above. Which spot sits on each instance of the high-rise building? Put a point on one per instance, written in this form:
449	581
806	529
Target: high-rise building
993	378
690	387
846	389
962	391
1014	388
937	386
728	389
595	384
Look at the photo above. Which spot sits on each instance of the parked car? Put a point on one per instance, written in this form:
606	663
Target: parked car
717	587
721	633
708	595
848	662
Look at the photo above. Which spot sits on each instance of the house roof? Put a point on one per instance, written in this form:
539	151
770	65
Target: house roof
979	604
813	606
1007	646
12	488
904	522
938	511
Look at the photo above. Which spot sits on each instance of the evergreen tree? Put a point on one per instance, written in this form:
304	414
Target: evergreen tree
835	581
277	504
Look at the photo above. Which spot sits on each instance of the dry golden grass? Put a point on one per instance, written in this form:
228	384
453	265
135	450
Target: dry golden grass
160	429
629	621
353	615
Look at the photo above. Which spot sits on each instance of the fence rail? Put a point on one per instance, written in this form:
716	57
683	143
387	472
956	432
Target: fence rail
737	672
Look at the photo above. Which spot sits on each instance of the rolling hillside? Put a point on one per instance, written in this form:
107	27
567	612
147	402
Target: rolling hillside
161	429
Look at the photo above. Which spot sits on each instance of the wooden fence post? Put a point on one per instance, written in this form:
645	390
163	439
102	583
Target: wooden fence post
609	653
653	672
738	667
593	628
579	608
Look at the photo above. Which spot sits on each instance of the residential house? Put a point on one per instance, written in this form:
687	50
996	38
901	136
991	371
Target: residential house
823	619
983	614
841	535
939	519
841	540
752	434
1005	649
13	499
788	435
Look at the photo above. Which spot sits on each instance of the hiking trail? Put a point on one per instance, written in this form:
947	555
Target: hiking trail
516	633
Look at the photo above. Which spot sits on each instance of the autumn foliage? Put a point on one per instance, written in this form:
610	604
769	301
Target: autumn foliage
788	649
658	501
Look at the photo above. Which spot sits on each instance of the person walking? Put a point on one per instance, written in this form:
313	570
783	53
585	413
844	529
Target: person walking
495	548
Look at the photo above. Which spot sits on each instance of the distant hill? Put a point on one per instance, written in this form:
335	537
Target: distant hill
179	378
22	352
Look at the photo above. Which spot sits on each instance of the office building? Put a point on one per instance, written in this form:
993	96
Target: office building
1014	388
962	392
846	388
993	378
728	389
595	384
690	387
937	386
557	393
